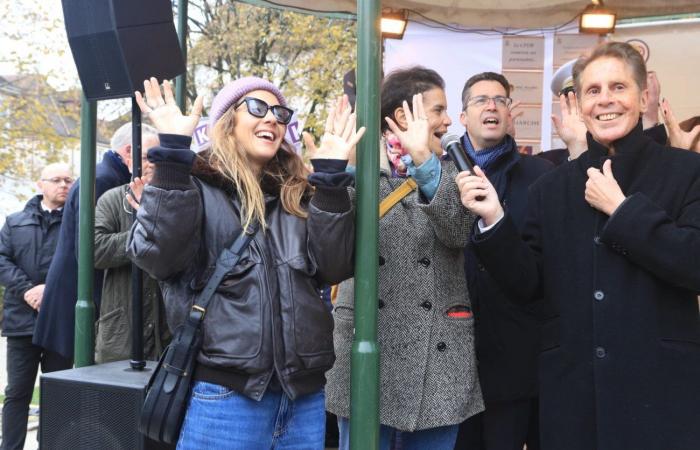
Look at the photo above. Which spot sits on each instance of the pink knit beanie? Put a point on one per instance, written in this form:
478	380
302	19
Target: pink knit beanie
234	91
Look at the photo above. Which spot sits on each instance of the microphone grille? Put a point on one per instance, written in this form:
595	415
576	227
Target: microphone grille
447	139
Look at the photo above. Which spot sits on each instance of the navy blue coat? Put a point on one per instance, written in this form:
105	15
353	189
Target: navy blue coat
27	243
507	335
56	321
620	349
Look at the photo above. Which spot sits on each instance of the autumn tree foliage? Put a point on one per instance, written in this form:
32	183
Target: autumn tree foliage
38	121
305	55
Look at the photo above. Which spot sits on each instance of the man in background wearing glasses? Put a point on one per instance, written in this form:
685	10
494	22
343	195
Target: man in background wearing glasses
56	321
27	243
507	337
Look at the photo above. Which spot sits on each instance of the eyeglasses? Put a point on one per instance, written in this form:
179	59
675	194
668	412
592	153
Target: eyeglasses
259	108
483	100
58	180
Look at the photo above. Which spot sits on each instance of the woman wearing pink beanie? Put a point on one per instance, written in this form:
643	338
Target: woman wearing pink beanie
267	337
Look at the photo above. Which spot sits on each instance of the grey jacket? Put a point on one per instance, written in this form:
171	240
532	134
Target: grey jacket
427	363
113	336
27	243
266	316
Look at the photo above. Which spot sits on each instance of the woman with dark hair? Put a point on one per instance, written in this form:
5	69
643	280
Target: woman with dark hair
267	337
428	378
611	242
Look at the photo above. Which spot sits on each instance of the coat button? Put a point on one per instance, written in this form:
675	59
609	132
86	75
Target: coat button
481	267
382	261
598	295
425	262
600	352
596	240
380	303
441	346
427	305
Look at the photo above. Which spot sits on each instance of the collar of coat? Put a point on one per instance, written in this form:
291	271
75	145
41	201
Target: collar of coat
597	153
629	157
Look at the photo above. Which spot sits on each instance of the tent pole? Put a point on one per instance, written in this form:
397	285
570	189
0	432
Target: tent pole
364	395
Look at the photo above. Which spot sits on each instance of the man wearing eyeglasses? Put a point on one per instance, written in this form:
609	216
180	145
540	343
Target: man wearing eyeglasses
506	336
55	324
27	243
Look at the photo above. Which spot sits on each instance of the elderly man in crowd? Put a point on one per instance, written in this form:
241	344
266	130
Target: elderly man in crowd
113	219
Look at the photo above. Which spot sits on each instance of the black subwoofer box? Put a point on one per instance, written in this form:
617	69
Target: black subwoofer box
116	44
94	408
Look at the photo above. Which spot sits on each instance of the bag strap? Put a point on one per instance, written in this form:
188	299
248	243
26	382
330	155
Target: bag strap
227	260
396	195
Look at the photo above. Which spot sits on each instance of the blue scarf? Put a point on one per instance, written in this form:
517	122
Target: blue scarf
485	157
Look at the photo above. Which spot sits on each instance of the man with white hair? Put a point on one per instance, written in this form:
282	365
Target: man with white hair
27	243
56	321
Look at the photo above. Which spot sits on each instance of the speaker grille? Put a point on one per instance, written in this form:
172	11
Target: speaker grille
84	416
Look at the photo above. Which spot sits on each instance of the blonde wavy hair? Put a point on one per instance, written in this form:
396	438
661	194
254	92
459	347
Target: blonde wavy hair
284	175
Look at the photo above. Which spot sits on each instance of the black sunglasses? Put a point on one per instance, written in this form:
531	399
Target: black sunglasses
259	108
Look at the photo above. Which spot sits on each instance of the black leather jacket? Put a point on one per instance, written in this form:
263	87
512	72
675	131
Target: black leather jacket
266	317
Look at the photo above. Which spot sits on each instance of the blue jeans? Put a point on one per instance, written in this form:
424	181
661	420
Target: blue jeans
439	438
218	417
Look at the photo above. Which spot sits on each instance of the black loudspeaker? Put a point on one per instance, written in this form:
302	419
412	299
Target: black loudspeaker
116	44
94	407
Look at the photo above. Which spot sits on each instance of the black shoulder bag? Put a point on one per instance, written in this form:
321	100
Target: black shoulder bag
168	390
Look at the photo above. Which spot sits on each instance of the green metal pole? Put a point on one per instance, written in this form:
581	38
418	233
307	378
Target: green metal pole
84	307
181	80
364	390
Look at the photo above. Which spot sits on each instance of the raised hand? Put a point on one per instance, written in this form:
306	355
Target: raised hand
676	136
415	138
133	194
570	126
602	191
164	112
651	116
340	135
513	113
471	187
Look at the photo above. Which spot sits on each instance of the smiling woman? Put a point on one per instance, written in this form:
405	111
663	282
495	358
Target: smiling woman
266	336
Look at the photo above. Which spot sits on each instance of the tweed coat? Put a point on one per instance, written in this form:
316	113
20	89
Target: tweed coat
428	374
620	348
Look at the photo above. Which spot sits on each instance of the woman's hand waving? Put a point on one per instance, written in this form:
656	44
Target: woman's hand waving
164	112
415	138
340	135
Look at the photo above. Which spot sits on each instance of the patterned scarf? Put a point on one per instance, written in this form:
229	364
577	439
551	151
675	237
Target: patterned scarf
394	152
485	157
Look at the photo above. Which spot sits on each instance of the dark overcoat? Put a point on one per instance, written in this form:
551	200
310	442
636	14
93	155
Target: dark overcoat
56	321
507	335
620	350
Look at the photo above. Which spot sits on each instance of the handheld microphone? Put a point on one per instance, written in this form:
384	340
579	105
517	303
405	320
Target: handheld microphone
451	144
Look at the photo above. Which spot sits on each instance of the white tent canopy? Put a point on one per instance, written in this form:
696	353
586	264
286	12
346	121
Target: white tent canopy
499	13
